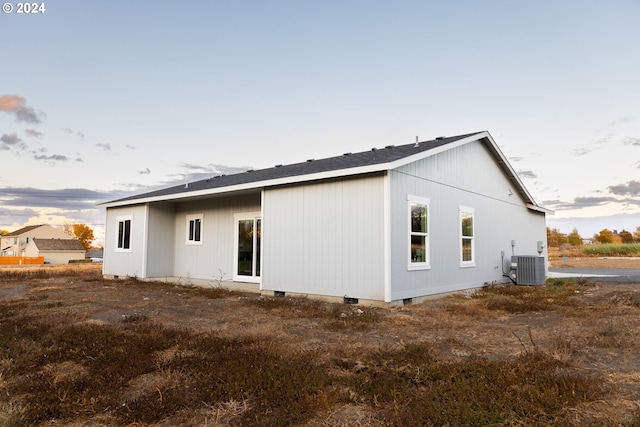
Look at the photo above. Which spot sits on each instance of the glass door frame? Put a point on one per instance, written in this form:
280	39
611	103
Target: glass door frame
257	251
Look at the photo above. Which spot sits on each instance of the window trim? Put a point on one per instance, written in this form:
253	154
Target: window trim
123	219
193	218
426	265
466	210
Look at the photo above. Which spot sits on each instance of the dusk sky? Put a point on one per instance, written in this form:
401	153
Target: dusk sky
102	99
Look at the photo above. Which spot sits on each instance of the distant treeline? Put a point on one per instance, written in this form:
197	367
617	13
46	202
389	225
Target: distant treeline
555	238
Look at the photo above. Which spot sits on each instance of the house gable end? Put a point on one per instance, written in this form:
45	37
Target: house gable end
473	166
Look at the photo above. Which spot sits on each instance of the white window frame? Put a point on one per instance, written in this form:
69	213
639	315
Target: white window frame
255	217
465	211
119	220
426	264
190	240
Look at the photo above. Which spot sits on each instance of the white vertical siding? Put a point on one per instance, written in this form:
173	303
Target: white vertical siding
464	176
325	238
283	237
125	263
161	245
215	253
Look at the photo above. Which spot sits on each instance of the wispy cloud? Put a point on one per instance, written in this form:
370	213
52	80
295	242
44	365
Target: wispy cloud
631	141
583	151
65	199
192	166
10	139
75	132
527	174
16	216
146	171
12	142
104	146
17	106
622	120
579	203
214	169
130	147
53	157
605	142
33	133
631	188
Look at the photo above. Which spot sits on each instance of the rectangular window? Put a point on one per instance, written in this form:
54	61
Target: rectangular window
123	243
418	225
194	229
467	246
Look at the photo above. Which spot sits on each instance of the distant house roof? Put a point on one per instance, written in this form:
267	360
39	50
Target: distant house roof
23	230
374	160
58	245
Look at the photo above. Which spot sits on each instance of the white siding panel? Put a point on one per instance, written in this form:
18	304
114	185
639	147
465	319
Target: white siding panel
125	263
325	238
464	176
161	247
282	226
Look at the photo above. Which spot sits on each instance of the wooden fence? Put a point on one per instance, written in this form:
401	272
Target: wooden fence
20	260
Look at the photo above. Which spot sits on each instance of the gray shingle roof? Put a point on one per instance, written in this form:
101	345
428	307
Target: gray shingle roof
345	161
22	230
58	244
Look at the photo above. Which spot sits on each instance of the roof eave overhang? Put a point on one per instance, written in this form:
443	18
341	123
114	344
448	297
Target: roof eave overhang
540	209
257	185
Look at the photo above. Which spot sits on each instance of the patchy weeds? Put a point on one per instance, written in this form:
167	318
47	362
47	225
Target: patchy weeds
75	351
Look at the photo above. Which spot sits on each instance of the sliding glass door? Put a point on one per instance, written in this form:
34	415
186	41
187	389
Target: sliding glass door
248	230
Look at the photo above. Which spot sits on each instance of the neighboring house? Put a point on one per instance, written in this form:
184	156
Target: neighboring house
389	225
15	243
56	251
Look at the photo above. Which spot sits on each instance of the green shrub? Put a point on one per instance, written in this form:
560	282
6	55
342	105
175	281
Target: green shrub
613	249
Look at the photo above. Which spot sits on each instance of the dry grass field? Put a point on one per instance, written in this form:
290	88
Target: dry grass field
76	350
576	259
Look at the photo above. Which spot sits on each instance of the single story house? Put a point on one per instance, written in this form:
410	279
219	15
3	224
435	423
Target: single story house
55	251
15	243
387	226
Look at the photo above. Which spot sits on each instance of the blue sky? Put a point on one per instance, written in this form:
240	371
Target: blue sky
99	99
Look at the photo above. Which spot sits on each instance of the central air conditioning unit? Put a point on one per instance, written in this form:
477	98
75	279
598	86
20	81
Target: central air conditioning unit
528	269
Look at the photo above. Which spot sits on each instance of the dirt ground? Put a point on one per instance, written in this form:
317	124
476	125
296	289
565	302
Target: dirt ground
492	334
